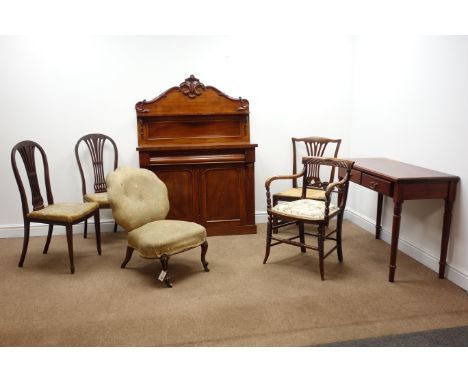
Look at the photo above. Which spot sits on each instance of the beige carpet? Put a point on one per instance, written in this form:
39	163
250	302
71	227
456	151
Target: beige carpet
241	302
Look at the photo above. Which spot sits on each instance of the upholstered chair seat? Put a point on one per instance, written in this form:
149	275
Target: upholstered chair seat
64	212
296	192
100	198
166	237
305	209
140	204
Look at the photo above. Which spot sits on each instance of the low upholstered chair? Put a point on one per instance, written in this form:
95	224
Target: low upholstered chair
64	214
310	211
95	144
140	204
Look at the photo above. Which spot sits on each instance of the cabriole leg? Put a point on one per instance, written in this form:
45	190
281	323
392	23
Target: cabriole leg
204	248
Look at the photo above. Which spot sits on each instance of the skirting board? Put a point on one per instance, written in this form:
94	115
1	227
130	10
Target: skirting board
37	229
452	273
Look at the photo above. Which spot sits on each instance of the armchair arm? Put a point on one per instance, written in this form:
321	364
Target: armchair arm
334	185
278	177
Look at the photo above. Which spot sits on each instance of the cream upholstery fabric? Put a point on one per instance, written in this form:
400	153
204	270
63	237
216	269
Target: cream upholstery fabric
137	197
305	209
297	193
166	237
100	197
64	212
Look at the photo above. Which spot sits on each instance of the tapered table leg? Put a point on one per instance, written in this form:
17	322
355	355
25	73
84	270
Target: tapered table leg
378	220
446	227
397	206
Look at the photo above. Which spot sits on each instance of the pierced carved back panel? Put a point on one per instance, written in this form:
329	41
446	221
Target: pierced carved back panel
27	151
316	147
95	144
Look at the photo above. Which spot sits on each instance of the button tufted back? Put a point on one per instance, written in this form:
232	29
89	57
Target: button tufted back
137	197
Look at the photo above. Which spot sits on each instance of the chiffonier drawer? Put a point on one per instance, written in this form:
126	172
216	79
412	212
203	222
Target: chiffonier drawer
377	184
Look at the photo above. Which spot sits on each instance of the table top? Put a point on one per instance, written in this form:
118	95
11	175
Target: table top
398	171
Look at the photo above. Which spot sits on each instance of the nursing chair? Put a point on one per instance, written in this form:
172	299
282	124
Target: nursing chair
310	211
95	144
315	179
64	214
140	204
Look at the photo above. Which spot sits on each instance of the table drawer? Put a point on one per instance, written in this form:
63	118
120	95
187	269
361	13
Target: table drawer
377	184
355	176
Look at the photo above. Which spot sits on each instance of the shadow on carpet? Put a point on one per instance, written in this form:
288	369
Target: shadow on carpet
456	337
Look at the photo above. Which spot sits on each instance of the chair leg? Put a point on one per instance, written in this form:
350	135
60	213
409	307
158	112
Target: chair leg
115	227
25	243
321	249
97	229
339	249
69	229
164	262
49	236
128	256
275	219
204	248
268	238
302	236
85	232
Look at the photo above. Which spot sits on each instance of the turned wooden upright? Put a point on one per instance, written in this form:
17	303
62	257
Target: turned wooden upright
197	140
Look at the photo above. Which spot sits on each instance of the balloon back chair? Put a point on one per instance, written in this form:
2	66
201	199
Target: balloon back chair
140	204
310	211
96	143
64	214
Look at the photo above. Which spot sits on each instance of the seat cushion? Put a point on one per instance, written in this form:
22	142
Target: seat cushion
166	237
100	197
64	212
305	209
312	193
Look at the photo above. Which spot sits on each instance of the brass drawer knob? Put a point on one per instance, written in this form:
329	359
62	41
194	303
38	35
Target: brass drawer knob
373	185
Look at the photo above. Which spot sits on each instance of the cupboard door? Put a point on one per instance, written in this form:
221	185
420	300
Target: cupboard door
182	187
222	196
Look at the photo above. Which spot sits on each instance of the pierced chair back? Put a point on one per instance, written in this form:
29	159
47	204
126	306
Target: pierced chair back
27	150
316	147
341	185
95	143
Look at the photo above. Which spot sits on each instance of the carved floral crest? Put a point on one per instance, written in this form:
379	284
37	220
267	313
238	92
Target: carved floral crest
192	87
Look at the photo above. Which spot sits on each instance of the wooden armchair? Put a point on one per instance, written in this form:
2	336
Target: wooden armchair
315	183
65	214
95	143
310	211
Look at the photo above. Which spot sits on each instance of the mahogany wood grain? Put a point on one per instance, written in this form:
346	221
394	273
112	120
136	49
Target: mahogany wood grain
197	140
403	181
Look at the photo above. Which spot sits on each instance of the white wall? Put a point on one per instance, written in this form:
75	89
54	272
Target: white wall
403	98
410	103
54	90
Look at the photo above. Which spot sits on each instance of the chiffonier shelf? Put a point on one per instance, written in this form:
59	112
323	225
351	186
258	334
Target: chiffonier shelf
197	140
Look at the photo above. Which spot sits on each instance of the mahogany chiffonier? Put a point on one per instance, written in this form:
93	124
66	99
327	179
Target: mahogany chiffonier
197	141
